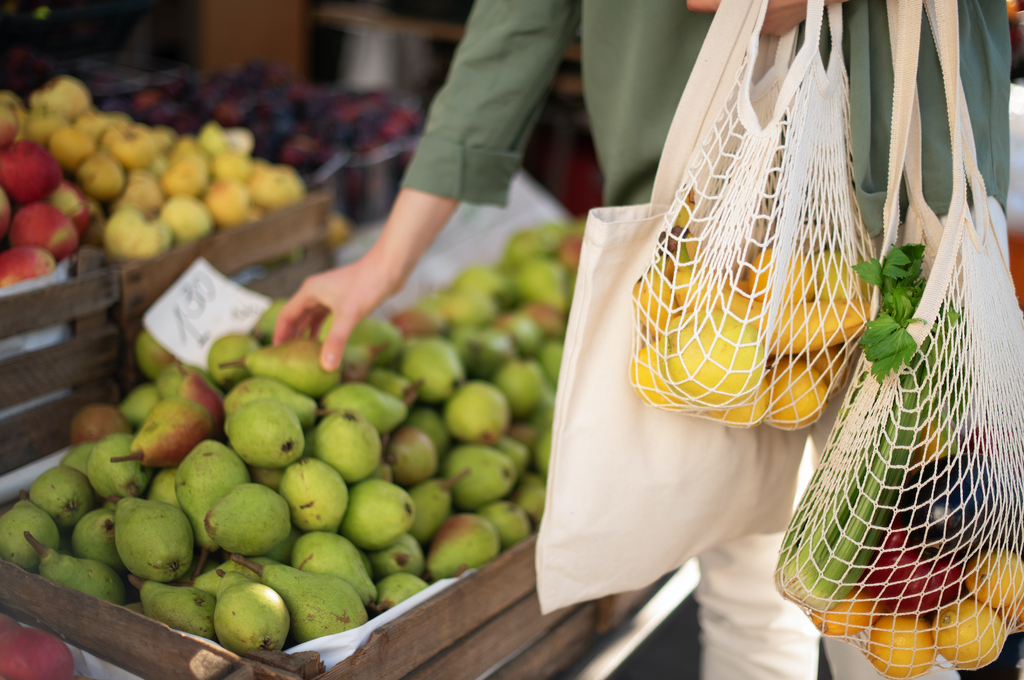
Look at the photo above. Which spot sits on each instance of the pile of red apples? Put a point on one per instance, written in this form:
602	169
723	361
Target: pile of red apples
42	215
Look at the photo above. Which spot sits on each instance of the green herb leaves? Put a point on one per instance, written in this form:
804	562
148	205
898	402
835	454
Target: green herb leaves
886	342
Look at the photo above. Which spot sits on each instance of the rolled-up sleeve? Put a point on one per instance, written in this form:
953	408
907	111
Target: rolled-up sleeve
481	119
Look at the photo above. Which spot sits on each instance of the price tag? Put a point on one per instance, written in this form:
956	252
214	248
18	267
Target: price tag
202	306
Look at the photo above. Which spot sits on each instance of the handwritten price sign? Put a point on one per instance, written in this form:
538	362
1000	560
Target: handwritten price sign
202	306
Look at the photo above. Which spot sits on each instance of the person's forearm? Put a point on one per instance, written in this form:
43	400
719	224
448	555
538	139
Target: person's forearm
412	225
782	15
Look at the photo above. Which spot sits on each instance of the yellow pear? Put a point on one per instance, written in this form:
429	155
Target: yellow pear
94	123
799	394
101	176
11	98
188	175
228	201
187	217
813	325
212	138
130	236
135	148
40	124
113	134
70	146
187	146
277	188
232	165
164	136
240	140
142	191
65	95
159	165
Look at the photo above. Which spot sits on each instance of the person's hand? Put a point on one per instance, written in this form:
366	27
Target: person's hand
780	18
352	292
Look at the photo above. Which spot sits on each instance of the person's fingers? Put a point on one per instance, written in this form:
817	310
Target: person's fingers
289	319
334	344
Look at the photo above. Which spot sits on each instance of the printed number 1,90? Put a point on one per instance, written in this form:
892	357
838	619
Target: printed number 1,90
196	295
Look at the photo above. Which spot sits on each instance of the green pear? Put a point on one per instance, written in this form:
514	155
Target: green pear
467	308
358	360
418	322
434	363
253	389
251	616
349	443
25	516
543	417
125	478
486	279
378	333
383	471
189	610
394	384
150	356
282	552
269	477
531	498
527	333
405	555
511	521
318	604
138	403
161	488
526	245
384	410
65	547
491	475
522	381
552	320
86	576
135	607
542	453
64	494
264	329
483	350
432	423
517	451
525	433
396	588
464	541
316	495
78	457
208	472
320	552
153	539
266	433
296	363
543	280
550	357
210	581
94	539
227	349
171	430
433	501
378	513
411	455
478	413
249	519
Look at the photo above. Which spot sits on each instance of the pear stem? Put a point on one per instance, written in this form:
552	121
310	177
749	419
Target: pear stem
203	554
452	481
138	455
326	412
181	369
39	547
412	393
220	572
247	563
23	495
136	581
113	499
384	439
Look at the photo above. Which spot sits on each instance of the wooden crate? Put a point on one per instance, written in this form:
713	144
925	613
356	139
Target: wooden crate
303	225
86	362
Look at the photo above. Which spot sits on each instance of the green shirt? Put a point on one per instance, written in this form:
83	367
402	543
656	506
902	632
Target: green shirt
636	58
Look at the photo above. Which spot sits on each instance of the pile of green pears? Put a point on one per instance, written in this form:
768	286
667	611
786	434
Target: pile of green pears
261	501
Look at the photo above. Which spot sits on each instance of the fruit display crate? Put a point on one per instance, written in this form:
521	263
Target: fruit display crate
274	237
85	363
489	621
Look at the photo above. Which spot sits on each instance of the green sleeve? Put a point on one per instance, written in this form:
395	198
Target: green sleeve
481	119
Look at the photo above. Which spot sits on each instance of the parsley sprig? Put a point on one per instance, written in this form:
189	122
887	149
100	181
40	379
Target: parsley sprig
886	342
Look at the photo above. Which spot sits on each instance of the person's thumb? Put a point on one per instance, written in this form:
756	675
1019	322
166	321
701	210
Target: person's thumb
334	344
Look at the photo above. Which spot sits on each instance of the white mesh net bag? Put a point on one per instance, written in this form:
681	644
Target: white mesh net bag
749	305
907	542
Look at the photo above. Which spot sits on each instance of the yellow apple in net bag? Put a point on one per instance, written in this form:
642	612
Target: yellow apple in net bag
798	394
901	646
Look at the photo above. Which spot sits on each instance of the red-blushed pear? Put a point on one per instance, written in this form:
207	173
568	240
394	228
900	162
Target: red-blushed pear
93	422
5	214
418	322
548	318
569	251
28	172
70	200
30	654
24	262
464	541
8	125
171	430
41	225
194	388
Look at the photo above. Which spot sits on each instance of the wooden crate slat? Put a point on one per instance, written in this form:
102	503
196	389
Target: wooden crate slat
554	652
399	647
285	281
33	434
87	294
90	356
116	634
612	611
491	643
228	251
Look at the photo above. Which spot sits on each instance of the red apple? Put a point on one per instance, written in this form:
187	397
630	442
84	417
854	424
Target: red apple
28	172
70	200
7	623
5	214
40	224
93	422
30	654
8	125
24	262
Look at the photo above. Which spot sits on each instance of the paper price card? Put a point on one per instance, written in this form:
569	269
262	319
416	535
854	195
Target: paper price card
202	306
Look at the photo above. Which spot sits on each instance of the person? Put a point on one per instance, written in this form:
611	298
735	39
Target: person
636	59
